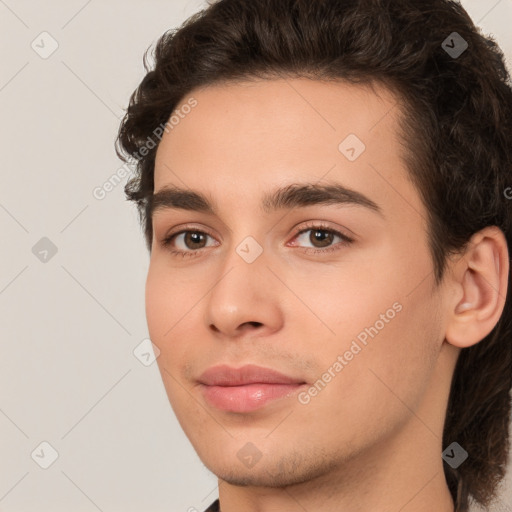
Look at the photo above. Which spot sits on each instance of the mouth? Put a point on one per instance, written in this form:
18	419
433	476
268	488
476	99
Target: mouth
247	388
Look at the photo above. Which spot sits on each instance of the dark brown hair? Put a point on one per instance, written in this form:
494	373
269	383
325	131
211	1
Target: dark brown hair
456	127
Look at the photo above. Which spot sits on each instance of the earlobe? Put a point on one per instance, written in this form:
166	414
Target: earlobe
482	276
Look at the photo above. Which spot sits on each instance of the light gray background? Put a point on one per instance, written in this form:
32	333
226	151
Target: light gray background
69	326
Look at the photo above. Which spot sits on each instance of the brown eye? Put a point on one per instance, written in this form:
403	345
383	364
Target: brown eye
194	240
321	237
188	242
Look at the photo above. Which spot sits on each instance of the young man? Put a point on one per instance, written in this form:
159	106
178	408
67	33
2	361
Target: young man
323	188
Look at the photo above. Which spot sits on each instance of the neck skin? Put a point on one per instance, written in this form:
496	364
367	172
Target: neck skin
402	473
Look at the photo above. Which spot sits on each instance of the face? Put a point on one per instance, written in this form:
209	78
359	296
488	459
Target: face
333	288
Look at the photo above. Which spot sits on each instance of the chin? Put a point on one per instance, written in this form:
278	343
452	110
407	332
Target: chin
246	478
289	470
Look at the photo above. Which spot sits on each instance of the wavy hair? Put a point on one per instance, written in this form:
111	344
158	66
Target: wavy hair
456	127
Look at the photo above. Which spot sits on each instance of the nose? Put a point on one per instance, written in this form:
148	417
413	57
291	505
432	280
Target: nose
246	298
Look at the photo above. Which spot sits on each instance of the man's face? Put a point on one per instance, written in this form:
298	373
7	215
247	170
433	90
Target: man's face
360	322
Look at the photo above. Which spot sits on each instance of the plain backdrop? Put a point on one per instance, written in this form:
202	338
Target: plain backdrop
76	395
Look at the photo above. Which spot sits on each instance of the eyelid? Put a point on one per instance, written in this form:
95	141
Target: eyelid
323	226
302	227
173	233
308	226
188	227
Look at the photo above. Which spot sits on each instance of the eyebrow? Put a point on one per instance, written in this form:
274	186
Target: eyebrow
296	195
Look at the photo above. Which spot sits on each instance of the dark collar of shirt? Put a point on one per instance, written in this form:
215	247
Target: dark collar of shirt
214	507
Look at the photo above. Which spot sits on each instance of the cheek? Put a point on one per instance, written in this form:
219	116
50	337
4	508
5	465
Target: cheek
342	299
366	399
387	338
166	307
171	302
404	358
169	297
157	298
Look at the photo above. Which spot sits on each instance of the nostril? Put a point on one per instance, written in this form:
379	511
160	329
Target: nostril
255	324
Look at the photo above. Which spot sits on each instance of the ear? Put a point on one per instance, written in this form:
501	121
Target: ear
480	280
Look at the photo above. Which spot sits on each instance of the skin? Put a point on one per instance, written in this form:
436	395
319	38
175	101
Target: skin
371	440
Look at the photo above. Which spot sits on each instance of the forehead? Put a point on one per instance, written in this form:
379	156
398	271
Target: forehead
246	137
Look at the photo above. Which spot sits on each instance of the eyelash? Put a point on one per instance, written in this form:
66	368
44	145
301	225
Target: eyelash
166	242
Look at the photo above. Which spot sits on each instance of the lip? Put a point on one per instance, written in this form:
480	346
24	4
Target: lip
247	388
